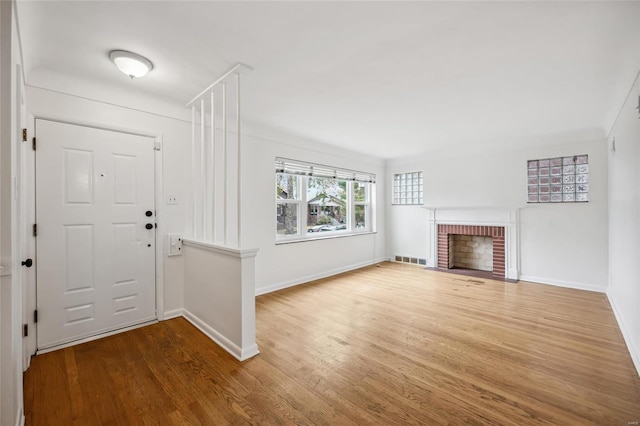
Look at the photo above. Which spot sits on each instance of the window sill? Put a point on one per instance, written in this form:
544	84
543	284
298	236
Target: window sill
323	237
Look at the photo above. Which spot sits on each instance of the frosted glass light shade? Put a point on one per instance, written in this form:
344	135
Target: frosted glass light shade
130	63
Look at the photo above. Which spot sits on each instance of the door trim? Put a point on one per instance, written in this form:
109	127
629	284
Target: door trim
30	305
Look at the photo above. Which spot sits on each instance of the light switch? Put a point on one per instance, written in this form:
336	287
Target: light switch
172	200
175	244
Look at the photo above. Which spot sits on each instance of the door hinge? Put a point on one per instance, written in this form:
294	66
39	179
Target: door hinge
33	143
157	146
35	229
25	330
35	316
24	135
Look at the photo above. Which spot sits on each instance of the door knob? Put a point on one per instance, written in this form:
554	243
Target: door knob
27	263
149	226
148	213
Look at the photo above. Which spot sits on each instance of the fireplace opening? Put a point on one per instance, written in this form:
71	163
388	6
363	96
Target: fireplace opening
473	252
491	243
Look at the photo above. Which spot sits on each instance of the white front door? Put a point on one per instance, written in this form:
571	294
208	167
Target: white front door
95	257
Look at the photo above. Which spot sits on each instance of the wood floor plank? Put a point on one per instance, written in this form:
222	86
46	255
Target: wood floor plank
388	344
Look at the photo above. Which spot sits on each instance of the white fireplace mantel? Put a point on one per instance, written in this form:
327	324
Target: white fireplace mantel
507	217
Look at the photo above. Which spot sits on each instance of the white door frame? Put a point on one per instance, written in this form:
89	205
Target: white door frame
28	212
30	304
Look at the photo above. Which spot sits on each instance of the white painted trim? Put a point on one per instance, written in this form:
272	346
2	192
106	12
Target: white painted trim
220	249
174	313
27	184
323	236
313	277
249	352
97	125
633	351
159	220
477	222
95	337
20	417
565	284
484	208
239	353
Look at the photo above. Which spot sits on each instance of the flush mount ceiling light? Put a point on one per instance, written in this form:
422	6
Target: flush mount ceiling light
131	63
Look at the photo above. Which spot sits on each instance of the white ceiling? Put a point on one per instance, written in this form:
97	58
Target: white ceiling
388	78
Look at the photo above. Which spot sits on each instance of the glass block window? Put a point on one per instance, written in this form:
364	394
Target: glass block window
407	188
558	180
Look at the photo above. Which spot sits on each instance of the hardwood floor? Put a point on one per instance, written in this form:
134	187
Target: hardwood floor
394	344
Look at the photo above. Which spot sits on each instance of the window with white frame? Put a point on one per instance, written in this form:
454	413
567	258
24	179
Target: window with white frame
287	203
314	201
407	188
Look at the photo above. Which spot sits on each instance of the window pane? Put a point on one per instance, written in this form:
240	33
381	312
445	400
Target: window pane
286	187
361	216
328	199
359	192
286	218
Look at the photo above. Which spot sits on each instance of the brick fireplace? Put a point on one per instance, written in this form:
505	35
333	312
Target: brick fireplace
497	234
499	224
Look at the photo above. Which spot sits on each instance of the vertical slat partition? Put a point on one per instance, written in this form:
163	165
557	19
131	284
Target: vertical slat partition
206	201
194	195
203	184
225	169
239	155
212	162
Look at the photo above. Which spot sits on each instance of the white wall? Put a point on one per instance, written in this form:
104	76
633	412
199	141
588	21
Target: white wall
283	265
624	222
564	244
175	132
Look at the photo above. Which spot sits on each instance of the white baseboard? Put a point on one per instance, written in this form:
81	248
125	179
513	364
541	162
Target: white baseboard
241	354
174	313
566	284
20	417
633	351
313	277
249	352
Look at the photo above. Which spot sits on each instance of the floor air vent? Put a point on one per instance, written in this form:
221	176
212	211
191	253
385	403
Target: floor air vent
414	260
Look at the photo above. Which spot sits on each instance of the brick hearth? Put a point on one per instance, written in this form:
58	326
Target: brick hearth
496	232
